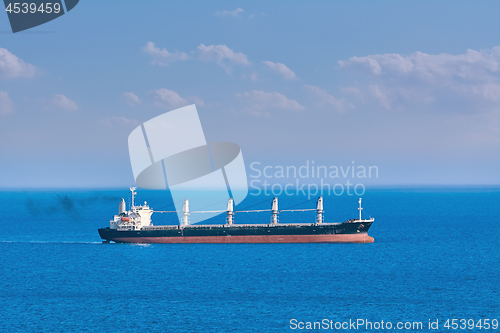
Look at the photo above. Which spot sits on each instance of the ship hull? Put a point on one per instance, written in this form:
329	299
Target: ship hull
347	232
359	238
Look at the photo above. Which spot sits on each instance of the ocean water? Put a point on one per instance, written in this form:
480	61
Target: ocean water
436	256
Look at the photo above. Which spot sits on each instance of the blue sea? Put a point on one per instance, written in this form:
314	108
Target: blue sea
435	257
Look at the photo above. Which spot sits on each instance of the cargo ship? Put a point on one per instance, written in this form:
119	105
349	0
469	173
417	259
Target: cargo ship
135	226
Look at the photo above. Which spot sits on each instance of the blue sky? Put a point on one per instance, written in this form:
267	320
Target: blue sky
411	87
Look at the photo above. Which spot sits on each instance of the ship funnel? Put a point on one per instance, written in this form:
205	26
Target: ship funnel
319	210
230	211
185	212
122	207
274	211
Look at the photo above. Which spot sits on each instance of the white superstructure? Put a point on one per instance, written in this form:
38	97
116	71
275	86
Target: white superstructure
133	219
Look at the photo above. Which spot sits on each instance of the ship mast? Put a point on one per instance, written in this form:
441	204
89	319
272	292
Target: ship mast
275	211
360	209
185	212
319	210
230	211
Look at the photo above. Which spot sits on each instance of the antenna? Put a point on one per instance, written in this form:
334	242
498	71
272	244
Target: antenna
132	189
360	209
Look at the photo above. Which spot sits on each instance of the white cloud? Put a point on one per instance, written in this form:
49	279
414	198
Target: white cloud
471	78
118	121
488	91
196	100
162	57
168	98
355	92
257	101
472	66
397	97
281	69
64	103
234	13
131	98
322	98
6	105
380	95
221	53
254	77
12	66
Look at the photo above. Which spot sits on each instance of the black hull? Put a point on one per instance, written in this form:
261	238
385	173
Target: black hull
349	231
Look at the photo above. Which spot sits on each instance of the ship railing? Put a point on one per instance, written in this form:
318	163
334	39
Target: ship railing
193	212
358	220
253	211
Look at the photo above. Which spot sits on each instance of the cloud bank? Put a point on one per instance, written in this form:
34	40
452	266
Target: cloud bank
420	78
12	66
223	55
257	101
